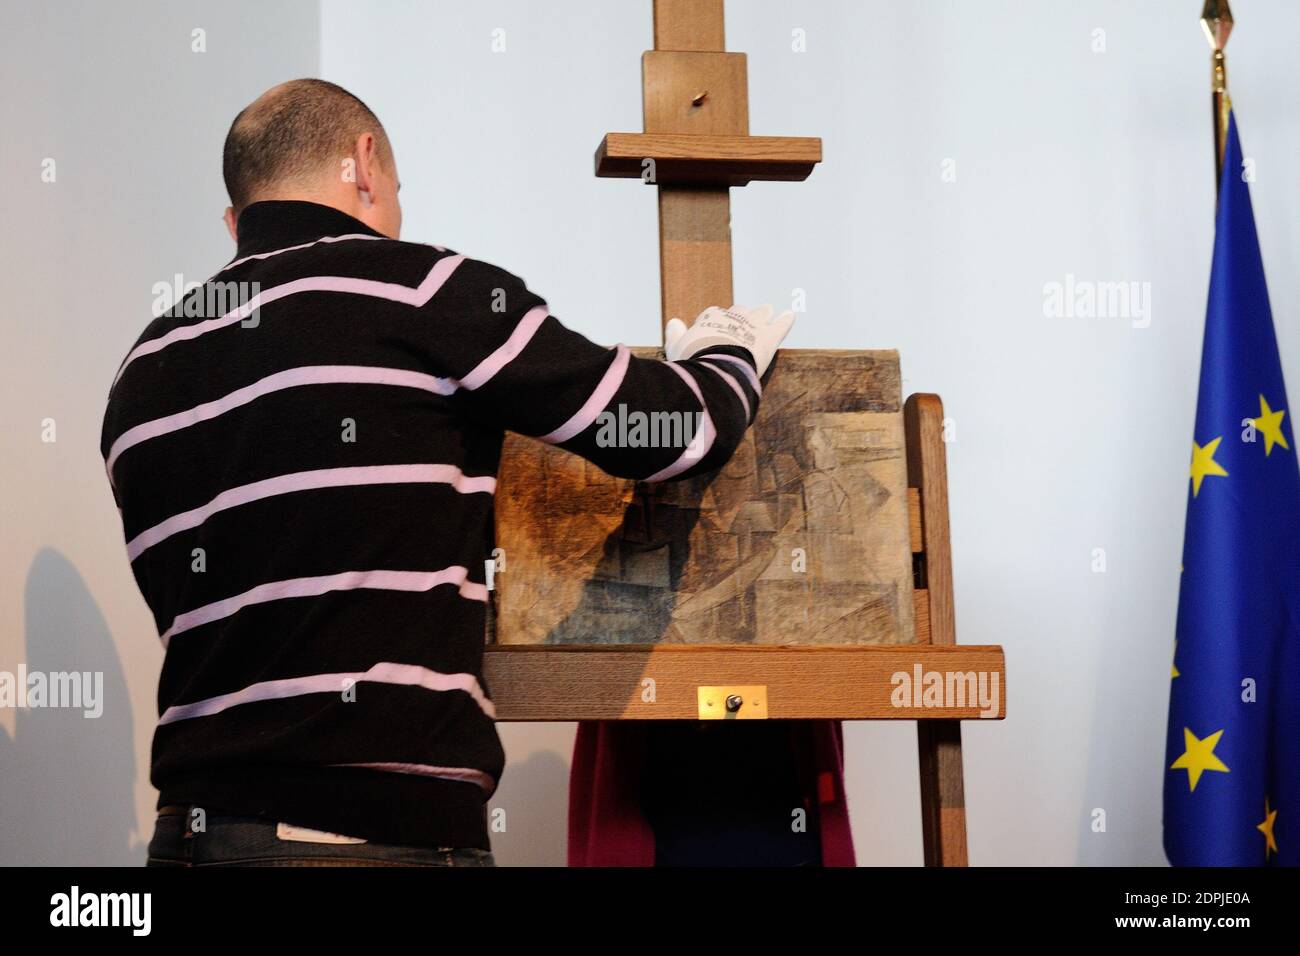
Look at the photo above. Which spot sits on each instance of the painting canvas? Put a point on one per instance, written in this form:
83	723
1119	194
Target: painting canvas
802	538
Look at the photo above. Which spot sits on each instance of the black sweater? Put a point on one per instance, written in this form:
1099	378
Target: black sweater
305	471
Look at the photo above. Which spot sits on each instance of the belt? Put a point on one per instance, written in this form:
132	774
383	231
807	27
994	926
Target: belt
283	830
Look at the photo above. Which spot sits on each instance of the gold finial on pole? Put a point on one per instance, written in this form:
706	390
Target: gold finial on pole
1216	21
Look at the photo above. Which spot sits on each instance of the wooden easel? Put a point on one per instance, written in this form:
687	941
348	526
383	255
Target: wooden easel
696	146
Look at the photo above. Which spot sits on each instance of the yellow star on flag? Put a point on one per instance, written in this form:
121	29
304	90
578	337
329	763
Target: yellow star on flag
1203	464
1199	756
1270	424
1266	828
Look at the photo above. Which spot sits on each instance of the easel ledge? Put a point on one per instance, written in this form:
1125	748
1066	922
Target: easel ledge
849	682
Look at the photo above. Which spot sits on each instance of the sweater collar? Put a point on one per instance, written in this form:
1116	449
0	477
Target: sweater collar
276	224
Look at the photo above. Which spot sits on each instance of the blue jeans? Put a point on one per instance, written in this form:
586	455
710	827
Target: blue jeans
253	841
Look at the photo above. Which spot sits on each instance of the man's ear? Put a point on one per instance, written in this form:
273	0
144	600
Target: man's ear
364	150
229	218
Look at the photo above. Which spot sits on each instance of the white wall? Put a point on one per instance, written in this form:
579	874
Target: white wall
134	121
1071	434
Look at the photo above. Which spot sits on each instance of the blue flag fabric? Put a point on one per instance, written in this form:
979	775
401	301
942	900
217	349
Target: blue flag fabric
1232	777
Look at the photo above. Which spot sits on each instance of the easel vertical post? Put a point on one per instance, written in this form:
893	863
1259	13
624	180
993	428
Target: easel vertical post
691	86
943	799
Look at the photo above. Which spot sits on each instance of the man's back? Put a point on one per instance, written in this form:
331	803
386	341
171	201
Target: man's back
306	489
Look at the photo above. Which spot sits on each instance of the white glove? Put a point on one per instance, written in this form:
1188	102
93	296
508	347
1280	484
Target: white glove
755	330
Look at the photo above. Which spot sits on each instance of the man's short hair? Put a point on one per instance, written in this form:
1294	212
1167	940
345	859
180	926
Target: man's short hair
291	134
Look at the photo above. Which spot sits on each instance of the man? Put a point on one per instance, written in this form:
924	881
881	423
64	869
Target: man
305	480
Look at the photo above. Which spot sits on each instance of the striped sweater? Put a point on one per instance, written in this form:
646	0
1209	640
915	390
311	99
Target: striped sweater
304	454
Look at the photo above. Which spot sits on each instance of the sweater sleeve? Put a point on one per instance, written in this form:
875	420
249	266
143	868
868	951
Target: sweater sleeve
515	366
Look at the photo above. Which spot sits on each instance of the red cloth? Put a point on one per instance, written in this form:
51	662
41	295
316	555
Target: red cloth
607	827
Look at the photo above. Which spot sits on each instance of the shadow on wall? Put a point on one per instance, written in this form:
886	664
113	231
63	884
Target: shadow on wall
66	779
534	799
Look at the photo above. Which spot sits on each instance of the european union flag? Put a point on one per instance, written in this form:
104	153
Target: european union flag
1232	779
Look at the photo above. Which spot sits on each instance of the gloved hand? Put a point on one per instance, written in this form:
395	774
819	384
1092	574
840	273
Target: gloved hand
754	329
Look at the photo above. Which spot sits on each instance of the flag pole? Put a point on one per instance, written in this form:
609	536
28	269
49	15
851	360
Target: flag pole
1216	21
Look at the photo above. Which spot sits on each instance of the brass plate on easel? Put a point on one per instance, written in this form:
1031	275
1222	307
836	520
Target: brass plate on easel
733	702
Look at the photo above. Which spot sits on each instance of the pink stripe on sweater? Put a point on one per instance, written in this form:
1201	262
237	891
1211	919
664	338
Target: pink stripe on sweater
306	375
740	363
310	481
323	584
599	399
503	356
467	774
391	291
735	386
703	440
408	675
305	245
